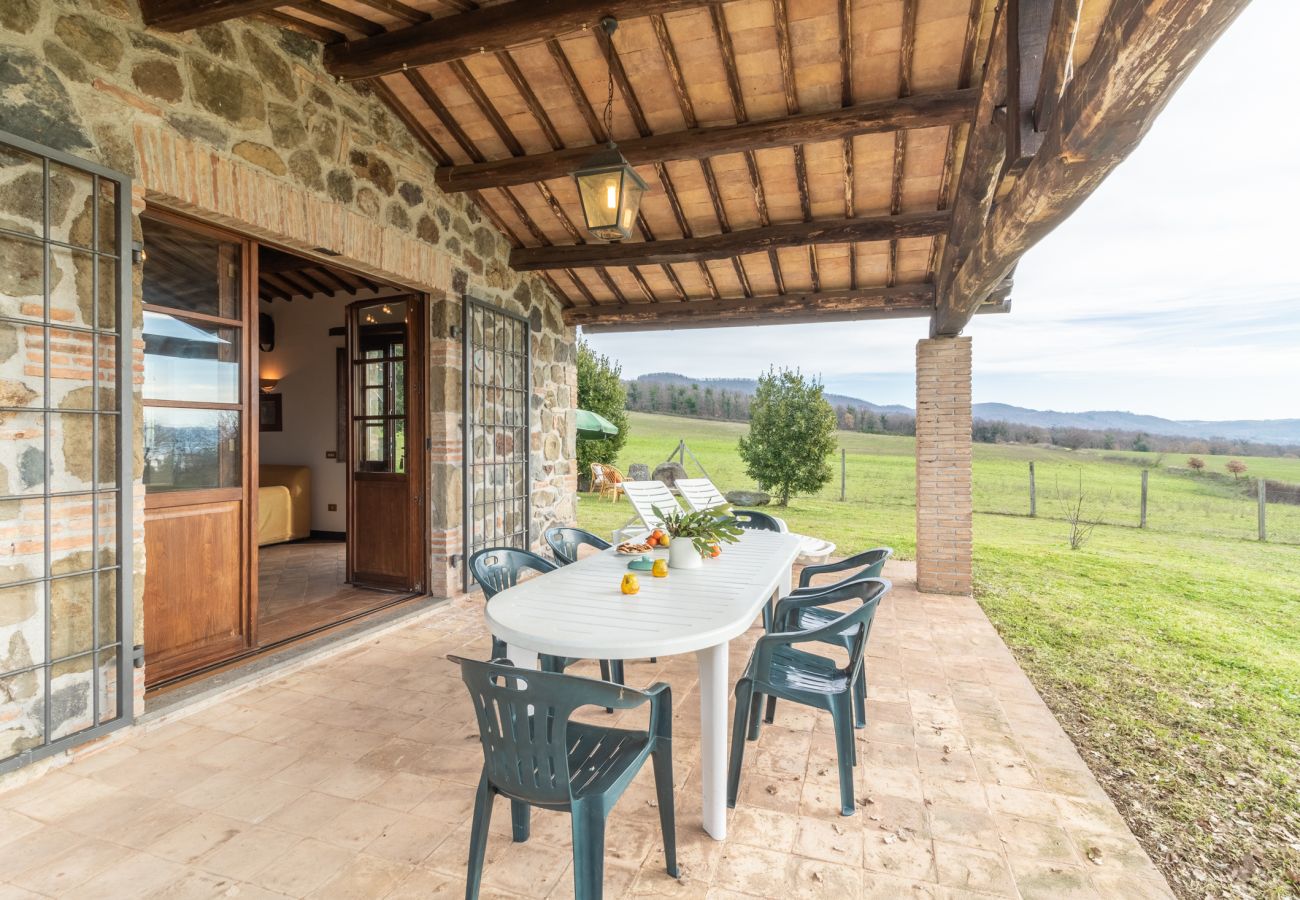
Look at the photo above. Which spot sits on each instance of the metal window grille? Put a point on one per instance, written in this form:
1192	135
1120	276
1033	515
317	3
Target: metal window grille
66	512
497	417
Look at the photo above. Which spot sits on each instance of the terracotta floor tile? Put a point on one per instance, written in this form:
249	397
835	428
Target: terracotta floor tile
973	869
303	868
355	777
245	854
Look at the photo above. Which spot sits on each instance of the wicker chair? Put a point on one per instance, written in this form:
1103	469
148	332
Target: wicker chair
607	480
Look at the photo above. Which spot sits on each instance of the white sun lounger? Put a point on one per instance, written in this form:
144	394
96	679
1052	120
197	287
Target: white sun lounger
645	495
701	494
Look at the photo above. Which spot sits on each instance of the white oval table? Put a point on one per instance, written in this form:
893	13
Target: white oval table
579	611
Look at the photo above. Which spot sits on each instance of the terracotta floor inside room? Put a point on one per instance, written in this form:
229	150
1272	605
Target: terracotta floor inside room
355	775
301	586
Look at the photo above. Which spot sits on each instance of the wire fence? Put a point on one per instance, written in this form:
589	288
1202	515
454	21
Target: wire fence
1104	493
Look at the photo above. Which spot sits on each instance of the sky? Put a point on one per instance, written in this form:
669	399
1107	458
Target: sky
1173	291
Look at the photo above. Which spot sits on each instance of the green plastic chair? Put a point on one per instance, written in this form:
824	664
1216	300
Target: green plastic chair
753	520
498	568
564	543
533	755
778	668
794	613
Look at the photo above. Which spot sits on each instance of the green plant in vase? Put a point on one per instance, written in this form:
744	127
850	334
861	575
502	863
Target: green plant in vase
706	530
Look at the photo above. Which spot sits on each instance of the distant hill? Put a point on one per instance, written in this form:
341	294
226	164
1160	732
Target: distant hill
747	386
1268	431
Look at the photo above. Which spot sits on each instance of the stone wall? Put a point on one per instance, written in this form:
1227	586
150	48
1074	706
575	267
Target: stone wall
239	124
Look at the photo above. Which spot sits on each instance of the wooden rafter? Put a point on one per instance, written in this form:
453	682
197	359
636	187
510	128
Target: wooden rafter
726	246
1028	24
781	18
481	31
339	16
1145	50
813	306
846	100
1058	60
182	15
302	26
688	112
906	52
956	132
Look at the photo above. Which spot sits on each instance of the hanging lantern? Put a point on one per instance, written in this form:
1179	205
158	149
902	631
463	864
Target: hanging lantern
609	188
610	191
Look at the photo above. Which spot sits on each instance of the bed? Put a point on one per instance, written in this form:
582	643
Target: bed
283	504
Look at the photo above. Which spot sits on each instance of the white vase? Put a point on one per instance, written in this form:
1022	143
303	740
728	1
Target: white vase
683	555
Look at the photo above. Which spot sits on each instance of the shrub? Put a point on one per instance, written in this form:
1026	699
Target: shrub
600	390
1195	463
1236	467
791	434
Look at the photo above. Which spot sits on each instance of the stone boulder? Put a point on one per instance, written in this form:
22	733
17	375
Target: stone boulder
747	499
638	472
668	473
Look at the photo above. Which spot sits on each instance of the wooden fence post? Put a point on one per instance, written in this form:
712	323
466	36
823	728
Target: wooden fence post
1033	493
1143	522
1263	507
843	475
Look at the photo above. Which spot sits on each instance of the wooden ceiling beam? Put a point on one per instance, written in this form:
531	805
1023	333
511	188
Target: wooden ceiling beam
479	31
726	246
982	165
906	51
919	111
1058	60
813	306
1145	49
182	15
1028	25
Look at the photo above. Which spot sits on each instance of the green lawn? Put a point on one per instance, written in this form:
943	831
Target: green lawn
1170	654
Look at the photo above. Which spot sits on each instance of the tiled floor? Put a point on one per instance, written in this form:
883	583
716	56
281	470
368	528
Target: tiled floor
355	776
301	586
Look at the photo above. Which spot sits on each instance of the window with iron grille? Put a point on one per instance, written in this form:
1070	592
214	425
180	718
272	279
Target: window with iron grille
496	429
65	451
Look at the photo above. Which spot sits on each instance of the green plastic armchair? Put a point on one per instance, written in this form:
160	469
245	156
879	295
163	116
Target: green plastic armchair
778	668
535	755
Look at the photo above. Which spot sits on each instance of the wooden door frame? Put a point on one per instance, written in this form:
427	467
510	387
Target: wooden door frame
417	437
247	491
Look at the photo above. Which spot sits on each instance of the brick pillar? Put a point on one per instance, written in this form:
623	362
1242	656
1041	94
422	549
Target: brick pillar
943	465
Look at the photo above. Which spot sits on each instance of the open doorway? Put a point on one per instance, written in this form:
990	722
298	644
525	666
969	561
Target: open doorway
282	402
332	468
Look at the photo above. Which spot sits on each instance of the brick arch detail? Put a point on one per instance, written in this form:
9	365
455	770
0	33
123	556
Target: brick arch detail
189	177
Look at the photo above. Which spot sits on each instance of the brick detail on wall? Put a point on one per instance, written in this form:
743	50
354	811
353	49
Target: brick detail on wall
183	174
943	465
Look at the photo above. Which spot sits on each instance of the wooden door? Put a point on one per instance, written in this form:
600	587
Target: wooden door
385	459
198	599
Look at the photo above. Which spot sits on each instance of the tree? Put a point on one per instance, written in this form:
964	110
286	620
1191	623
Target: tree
600	390
1236	467
1195	463
791	435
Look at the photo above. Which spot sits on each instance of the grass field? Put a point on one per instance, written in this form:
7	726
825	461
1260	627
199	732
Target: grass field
1171	654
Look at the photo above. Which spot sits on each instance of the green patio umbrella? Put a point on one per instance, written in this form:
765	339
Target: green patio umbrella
593	427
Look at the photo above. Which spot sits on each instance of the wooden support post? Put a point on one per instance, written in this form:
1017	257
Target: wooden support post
843	473
1033	493
1142	523
1263	509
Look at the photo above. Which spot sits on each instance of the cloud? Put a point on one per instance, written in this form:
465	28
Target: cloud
1173	290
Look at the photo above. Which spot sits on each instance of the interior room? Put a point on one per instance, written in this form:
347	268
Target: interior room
302	437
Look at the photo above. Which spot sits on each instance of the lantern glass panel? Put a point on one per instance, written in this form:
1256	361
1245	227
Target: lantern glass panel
601	194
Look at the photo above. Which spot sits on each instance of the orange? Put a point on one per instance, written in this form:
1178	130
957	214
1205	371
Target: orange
716	551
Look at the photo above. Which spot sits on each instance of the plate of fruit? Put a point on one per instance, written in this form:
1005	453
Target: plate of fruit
657	538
